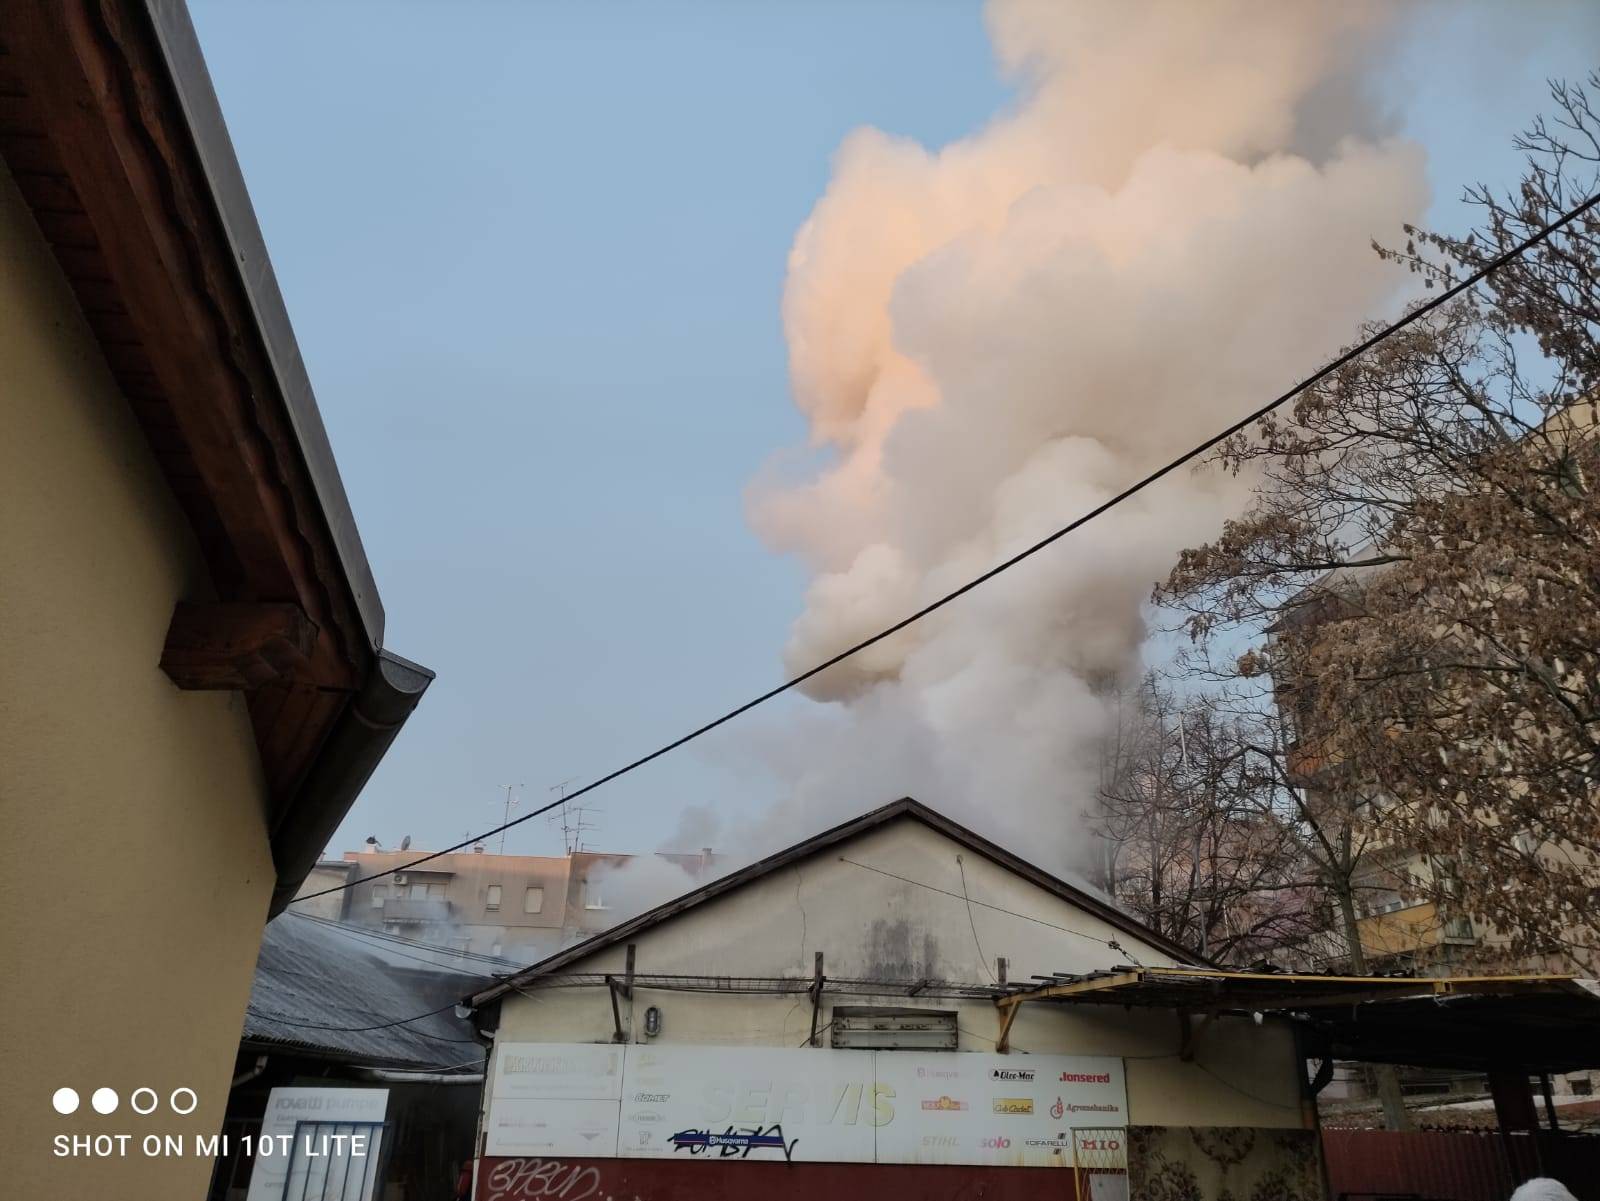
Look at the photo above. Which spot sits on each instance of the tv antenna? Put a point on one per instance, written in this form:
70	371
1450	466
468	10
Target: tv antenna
511	801
572	820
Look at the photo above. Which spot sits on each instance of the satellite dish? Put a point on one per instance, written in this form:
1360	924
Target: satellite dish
405	843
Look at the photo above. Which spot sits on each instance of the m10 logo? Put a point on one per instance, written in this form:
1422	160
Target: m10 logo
995	1144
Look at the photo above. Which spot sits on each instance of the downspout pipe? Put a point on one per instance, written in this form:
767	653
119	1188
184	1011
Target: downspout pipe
358	740
397	1076
249	1074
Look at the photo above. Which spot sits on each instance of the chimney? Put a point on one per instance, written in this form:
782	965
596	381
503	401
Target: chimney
477	848
705	858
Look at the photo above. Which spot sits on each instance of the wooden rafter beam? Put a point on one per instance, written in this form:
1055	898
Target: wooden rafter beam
238	646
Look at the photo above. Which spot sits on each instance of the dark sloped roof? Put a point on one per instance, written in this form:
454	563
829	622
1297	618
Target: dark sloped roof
1083	896
316	979
1526	1022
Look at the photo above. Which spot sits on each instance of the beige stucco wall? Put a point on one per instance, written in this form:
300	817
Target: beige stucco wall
137	871
870	925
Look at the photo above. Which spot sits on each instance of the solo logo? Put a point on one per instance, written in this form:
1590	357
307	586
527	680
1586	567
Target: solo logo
996	1144
1013	1104
1017	1075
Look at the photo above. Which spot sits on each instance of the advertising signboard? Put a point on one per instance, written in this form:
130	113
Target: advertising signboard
969	1108
554	1099
722	1103
749	1103
300	1143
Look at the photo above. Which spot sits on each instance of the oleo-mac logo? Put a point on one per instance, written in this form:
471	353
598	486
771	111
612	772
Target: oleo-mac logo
1013	1104
1086	1077
1017	1075
944	1104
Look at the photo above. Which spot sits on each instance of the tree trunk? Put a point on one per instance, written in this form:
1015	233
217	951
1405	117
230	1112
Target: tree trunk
1384	1076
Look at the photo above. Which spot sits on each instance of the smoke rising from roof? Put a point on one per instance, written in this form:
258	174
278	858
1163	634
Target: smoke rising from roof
990	338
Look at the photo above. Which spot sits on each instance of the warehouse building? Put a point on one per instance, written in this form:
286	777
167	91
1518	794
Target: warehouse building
856	1016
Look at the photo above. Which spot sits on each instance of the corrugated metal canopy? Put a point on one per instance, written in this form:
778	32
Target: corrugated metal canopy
1527	1022
316	979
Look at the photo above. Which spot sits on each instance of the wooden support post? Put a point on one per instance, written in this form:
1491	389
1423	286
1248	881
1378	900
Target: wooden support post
627	988
1549	1101
616	1011
1008	1015
816	998
1191	1033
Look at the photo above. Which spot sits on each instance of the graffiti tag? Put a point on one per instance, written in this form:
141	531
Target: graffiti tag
528	1179
734	1143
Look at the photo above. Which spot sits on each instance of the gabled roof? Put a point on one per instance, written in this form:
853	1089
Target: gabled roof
114	137
1082	895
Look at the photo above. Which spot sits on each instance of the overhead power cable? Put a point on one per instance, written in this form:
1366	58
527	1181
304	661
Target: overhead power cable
1188	456
285	1021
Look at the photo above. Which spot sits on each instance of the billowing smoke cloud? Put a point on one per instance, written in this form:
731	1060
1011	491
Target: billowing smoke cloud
990	338
993	337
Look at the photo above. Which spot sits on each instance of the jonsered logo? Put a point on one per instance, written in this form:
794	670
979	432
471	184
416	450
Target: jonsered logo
1013	1104
1086	1077
1019	1075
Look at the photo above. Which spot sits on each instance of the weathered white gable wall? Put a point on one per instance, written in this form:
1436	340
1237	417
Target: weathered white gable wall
869	925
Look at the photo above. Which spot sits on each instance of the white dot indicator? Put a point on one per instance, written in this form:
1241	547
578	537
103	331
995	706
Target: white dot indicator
179	1092
65	1100
104	1100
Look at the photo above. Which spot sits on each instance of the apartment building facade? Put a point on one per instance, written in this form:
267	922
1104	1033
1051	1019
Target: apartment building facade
515	906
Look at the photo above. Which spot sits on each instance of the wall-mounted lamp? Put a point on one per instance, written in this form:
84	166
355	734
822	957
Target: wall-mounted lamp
652	1021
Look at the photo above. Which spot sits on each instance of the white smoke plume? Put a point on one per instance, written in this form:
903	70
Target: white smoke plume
990	338
1173	224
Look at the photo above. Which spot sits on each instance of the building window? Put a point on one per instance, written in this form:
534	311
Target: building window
592	899
866	1027
492	901
377	898
533	900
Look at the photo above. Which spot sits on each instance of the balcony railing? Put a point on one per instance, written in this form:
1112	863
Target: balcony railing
416	910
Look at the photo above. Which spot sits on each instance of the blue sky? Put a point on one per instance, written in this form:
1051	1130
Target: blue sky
534	254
